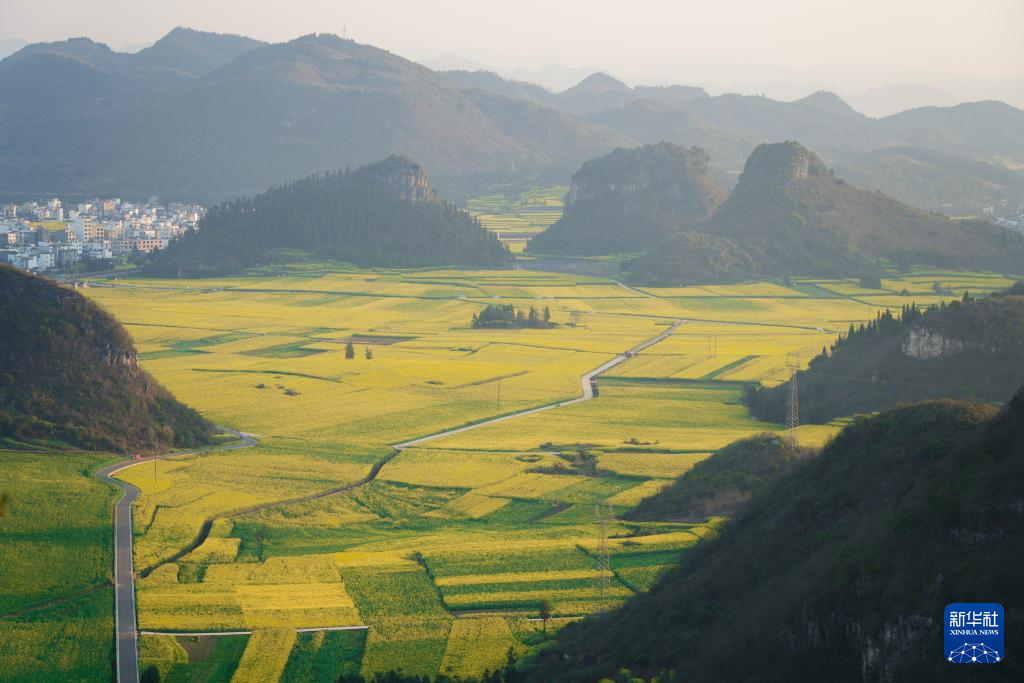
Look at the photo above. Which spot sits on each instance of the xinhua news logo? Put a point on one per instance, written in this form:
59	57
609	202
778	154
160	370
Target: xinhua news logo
974	633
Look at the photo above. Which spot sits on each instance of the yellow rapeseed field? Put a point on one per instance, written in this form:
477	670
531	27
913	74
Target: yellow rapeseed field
495	518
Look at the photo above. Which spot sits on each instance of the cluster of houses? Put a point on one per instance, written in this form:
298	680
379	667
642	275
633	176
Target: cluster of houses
1014	220
92	236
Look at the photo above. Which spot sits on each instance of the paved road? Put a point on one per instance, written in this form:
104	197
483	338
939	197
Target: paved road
586	382
124	574
124	577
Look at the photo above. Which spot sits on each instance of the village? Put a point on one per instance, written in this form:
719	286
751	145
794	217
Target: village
99	235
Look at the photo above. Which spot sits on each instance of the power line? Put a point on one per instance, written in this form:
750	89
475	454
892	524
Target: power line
602	517
793	405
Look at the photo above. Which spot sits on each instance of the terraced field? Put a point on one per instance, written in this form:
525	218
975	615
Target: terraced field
443	558
515	219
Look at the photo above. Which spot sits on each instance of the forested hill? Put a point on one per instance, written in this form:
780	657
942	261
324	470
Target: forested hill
840	570
68	375
631	199
970	349
788	215
383	214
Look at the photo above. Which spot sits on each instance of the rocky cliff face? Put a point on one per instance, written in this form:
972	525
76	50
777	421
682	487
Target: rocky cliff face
923	343
404	175
631	198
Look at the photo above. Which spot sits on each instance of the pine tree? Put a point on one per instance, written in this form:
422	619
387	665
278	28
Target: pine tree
547	315
350	350
369	353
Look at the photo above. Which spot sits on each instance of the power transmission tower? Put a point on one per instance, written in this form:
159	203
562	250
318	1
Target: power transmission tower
602	516
793	405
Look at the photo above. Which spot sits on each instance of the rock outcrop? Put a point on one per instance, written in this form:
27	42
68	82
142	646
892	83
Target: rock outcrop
631	199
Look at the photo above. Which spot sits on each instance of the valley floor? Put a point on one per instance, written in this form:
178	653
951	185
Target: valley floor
445	556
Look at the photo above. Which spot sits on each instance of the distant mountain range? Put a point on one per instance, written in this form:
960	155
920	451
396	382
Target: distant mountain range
69	377
208	117
383	214
973	139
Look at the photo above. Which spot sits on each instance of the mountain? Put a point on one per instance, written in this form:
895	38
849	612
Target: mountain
892	99
193	52
383	214
838	571
184	52
490	82
935	181
595	94
650	122
9	46
971	349
789	215
822	120
69	376
76	117
991	129
940	159
631	199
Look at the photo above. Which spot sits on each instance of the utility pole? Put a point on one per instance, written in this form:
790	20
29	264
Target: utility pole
793	405
602	516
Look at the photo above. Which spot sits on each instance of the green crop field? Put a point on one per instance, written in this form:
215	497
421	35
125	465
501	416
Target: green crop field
56	603
515	219
441	553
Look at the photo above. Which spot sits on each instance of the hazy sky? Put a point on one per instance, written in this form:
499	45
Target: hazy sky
849	45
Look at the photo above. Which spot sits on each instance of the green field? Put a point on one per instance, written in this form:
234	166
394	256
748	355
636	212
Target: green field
445	556
515	219
56	602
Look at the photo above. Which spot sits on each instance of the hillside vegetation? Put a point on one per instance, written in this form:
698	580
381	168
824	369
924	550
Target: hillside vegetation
840	570
722	485
631	199
383	214
68	374
788	215
970	349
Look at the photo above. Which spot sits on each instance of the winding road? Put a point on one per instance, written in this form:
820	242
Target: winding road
124	572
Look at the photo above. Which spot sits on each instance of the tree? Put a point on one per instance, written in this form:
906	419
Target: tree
5	500
545	614
533	317
150	674
350	350
369	353
547	315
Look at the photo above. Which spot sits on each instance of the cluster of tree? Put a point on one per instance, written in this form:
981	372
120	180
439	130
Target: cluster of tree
364	217
969	349
508	316
350	351
68	375
872	536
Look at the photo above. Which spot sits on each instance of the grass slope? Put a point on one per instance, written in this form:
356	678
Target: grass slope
839	571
